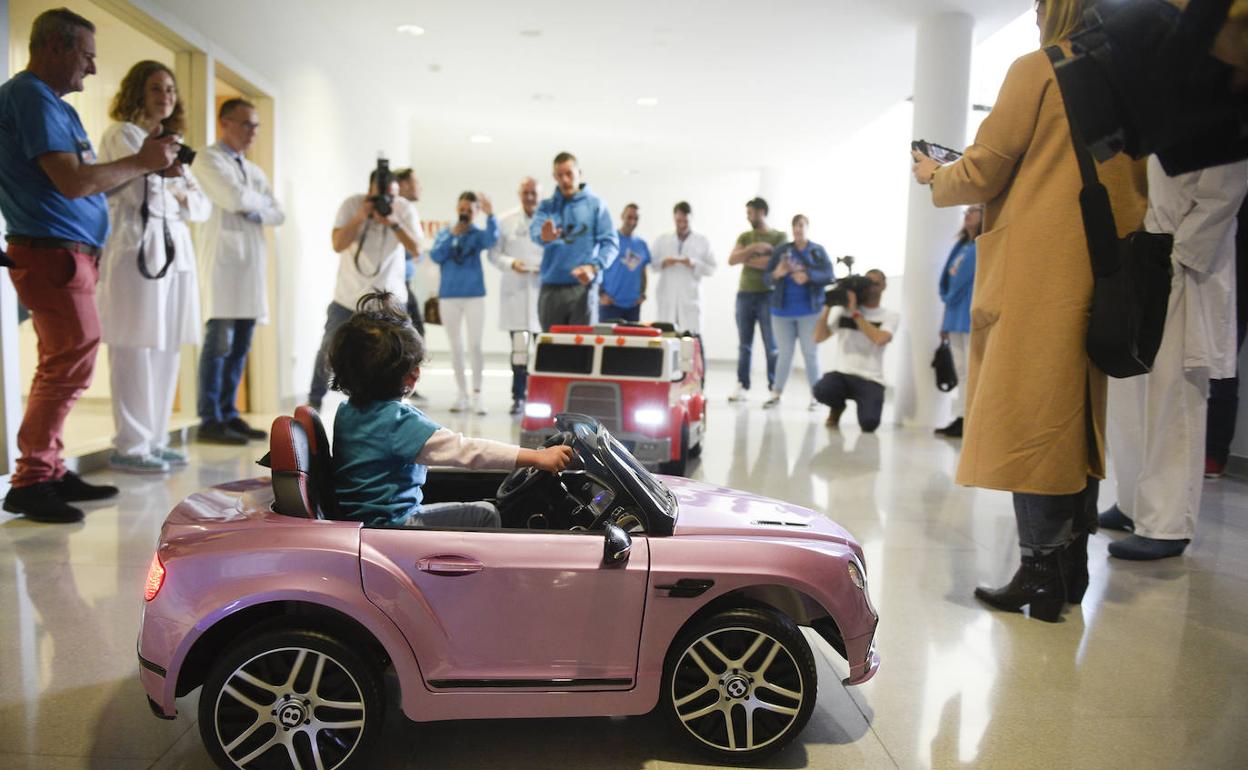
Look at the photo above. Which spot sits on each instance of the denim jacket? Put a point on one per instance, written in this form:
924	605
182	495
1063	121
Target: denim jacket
818	268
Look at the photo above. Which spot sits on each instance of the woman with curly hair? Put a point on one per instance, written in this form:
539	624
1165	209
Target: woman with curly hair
149	295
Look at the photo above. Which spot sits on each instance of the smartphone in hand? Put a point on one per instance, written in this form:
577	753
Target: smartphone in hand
936	152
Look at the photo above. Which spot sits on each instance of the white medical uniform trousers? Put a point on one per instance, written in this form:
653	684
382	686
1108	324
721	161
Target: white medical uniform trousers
1156	433
458	312
960	346
144	382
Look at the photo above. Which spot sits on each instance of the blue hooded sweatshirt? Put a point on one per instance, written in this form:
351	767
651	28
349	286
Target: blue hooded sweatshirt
589	237
957	281
459	256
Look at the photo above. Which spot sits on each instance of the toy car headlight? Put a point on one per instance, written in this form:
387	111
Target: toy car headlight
651	417
539	411
856	575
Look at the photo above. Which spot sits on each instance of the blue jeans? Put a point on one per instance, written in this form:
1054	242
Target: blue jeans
226	344
480	515
335	316
1048	523
790	330
616	313
835	388
754	308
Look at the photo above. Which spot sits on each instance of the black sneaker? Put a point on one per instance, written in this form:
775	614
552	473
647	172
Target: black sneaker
517	407
240	426
72	489
40	502
220	433
952	430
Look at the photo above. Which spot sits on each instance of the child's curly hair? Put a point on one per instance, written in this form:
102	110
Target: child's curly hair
374	351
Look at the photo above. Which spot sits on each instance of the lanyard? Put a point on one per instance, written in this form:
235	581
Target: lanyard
169	247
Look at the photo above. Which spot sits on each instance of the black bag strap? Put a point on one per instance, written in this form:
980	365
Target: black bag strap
169	246
1098	214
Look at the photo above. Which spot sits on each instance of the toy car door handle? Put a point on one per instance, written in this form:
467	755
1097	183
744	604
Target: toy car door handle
449	566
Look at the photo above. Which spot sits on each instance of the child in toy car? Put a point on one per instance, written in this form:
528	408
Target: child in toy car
383	446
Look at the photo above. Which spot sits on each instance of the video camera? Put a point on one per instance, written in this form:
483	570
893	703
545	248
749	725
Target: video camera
1141	81
837	294
383	201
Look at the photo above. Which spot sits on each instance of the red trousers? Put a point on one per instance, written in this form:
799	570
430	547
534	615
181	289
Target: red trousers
58	287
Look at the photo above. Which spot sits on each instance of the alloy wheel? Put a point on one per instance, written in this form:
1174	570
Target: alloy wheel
737	689
291	708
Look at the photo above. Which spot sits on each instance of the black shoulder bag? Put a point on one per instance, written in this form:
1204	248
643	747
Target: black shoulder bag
1131	275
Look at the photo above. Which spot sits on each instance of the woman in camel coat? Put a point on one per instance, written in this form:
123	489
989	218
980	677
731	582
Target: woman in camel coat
1035	412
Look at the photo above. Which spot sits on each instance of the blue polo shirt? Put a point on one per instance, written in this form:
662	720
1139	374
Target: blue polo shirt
376	477
34	121
622	281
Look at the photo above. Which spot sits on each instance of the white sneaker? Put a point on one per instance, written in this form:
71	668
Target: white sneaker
171	456
773	401
740	394
137	463
460	405
477	407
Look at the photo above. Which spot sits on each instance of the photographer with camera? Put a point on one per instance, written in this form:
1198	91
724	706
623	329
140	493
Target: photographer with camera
149	294
461	290
236	258
852	314
372	234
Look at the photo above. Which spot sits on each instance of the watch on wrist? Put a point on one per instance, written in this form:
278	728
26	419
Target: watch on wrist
395	227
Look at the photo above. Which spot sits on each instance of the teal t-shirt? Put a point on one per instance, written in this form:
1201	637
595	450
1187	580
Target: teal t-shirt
376	476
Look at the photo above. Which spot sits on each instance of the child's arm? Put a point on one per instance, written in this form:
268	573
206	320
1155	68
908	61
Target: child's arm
446	447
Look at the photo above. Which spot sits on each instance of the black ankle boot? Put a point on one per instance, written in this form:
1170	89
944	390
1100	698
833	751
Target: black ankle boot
1038	583
1075	568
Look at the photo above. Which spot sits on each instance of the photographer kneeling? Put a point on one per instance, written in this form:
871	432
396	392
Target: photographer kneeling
862	328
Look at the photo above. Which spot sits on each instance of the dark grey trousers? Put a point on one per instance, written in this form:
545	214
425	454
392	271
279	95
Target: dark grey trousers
560	304
1047	523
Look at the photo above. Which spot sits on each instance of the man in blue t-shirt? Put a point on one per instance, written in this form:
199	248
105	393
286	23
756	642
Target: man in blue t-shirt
52	199
624	283
579	243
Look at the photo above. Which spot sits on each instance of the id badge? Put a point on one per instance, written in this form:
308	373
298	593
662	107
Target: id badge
85	153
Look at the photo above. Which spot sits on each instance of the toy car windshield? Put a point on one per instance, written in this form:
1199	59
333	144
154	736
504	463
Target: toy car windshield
600	452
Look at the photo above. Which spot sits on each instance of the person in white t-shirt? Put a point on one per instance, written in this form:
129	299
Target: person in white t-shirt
862	329
372	250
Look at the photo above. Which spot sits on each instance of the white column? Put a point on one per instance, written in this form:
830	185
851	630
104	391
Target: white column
942	74
10	377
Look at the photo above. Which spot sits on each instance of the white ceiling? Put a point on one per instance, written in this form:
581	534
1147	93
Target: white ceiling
739	83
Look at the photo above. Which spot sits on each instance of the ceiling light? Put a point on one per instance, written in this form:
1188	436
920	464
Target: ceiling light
480	139
410	29
530	33
648	101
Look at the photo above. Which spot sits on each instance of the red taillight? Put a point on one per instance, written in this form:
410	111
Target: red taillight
155	579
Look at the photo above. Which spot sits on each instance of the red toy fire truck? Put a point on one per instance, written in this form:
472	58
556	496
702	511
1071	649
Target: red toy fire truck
642	383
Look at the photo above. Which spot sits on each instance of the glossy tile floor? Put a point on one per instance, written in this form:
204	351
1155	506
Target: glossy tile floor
1151	671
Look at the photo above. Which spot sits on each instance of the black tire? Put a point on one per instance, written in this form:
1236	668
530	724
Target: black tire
678	467
315	670
696	449
763	678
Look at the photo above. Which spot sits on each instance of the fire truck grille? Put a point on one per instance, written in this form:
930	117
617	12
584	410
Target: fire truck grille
600	400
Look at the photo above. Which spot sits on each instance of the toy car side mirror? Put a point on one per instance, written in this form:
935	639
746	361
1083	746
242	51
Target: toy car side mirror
617	546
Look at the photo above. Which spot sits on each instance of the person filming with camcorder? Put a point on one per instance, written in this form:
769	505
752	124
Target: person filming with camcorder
853	317
371	234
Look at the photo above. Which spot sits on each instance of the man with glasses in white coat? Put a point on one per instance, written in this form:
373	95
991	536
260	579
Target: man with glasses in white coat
682	259
236	262
520	260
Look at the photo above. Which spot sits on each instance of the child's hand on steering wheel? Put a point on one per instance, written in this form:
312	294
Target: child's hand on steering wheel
553	459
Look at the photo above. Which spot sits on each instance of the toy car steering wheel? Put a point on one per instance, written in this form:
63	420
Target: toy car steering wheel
520	481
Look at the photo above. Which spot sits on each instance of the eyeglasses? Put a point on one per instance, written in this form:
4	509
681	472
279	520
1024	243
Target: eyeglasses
247	124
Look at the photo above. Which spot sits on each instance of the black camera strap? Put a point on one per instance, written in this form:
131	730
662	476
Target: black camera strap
1098	215
359	246
145	214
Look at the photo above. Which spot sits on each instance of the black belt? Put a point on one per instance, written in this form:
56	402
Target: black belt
54	243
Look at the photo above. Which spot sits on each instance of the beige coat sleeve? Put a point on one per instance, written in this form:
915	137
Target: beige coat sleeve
986	169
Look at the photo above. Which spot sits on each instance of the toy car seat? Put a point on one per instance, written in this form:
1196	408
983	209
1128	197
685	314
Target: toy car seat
322	462
295	477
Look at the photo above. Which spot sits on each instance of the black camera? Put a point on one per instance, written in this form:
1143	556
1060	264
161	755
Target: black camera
186	156
1141	81
837	294
383	201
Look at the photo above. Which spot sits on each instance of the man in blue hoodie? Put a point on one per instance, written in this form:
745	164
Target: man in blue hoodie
574	228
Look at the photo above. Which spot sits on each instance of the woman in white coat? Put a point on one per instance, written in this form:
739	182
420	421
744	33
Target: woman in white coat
682	259
149	297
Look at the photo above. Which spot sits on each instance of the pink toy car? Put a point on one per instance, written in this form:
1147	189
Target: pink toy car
608	591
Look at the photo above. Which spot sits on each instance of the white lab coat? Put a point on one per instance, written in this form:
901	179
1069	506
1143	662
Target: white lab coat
136	311
233	250
518	292
680	286
1156	426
